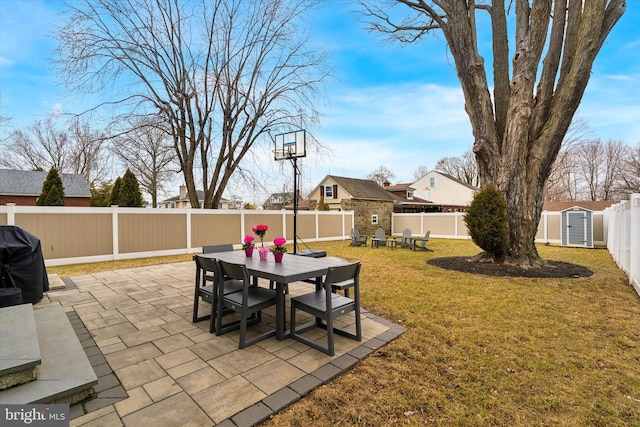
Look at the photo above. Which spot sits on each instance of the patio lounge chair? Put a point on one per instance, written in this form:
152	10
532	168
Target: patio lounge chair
326	305
421	243
357	239
405	241
379	238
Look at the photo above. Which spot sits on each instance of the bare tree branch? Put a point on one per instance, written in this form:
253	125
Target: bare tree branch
219	73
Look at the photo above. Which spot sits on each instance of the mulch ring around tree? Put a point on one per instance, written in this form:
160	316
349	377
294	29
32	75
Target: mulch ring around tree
553	269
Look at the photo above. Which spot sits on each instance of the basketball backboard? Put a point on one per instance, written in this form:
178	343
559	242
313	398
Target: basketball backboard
290	145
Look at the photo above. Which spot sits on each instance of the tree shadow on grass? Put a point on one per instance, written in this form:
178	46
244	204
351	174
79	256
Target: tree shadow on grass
552	269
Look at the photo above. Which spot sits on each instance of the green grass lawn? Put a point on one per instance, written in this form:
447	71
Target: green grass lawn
482	350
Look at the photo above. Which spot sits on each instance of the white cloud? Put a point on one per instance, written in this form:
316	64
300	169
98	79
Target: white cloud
4	62
399	126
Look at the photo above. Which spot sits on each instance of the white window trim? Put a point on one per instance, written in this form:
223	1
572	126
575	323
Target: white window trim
329	189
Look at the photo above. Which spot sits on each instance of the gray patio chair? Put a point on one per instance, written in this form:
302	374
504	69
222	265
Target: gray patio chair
357	239
405	241
206	271
379	238
421	243
248	303
209	249
326	306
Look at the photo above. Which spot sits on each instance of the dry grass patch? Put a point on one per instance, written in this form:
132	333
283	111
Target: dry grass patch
483	350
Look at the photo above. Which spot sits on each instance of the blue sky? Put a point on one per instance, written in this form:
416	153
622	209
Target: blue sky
391	105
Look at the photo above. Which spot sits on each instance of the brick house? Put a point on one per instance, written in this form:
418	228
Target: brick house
371	204
24	187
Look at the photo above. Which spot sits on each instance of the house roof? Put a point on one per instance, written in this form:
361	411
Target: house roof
361	188
459	181
595	206
399	193
177	198
29	183
287	197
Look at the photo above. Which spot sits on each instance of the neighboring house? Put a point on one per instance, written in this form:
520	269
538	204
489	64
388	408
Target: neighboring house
406	200
24	187
278	201
182	200
371	204
449	193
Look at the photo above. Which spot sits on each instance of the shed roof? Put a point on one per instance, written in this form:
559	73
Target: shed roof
29	183
595	206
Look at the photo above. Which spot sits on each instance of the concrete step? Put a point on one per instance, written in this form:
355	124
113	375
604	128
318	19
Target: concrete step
19	348
65	374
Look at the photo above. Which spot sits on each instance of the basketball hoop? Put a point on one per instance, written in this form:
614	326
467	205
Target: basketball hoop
291	146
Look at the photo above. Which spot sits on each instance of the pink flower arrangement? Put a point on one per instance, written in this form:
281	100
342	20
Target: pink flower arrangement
278	245
248	241
260	231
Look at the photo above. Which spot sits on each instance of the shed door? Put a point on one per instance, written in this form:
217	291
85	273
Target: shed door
577	228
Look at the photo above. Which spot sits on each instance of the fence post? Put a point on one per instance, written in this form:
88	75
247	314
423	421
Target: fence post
242	225
11	214
114	226
634	231
189	248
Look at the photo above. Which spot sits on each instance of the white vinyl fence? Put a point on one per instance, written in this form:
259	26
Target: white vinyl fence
623	239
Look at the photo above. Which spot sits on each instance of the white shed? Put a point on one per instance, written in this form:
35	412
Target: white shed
577	227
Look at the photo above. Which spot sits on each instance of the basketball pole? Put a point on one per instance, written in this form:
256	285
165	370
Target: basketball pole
295	205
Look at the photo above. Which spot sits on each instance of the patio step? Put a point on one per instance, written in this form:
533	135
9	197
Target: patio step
65	374
19	348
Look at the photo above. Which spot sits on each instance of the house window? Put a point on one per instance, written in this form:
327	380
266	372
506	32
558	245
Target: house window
409	195
328	192
374	219
432	182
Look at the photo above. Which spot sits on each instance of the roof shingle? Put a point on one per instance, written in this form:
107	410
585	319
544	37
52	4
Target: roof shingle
29	183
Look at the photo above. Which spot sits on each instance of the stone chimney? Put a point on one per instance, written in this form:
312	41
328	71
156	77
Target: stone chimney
386	183
183	192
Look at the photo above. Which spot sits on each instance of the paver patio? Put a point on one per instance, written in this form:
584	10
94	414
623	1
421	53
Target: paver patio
156	367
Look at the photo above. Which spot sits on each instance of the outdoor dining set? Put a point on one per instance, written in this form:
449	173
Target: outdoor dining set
229	281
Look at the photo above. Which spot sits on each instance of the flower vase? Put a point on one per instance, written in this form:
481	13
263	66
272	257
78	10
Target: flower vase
278	256
263	252
249	251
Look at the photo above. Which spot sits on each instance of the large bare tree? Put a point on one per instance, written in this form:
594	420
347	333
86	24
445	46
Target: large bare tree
589	170
221	73
519	130
69	145
631	171
147	151
463	168
381	175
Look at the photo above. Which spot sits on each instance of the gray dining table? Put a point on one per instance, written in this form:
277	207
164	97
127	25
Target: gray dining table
293	268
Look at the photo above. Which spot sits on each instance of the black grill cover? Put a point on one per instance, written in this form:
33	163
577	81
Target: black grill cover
22	264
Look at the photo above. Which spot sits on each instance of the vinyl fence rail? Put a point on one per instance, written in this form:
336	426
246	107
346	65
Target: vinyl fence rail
623	240
71	235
